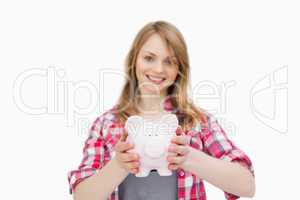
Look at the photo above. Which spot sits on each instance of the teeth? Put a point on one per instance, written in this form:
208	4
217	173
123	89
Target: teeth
155	78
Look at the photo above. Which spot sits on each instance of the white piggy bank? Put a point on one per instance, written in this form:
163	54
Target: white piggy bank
151	139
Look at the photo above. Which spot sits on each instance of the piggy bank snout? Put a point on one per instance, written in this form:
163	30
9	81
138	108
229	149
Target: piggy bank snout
155	149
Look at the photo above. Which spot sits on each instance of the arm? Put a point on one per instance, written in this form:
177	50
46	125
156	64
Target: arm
85	182
101	184
228	176
212	156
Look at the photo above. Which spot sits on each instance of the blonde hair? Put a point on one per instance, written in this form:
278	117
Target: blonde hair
188	114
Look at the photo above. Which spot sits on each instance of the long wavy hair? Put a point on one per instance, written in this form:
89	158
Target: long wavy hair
188	114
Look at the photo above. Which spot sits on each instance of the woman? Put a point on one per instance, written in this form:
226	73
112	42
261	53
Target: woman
158	70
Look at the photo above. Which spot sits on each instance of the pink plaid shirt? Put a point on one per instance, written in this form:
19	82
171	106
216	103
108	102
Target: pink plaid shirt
105	133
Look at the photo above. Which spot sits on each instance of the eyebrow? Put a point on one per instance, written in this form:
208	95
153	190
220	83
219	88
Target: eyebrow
155	54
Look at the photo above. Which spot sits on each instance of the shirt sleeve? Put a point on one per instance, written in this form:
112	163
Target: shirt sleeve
92	155
217	144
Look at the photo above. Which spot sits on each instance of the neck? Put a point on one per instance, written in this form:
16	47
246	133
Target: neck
151	104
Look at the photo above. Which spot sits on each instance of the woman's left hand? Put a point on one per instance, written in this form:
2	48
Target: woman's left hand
178	150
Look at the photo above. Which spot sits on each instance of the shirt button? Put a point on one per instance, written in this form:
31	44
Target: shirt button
181	173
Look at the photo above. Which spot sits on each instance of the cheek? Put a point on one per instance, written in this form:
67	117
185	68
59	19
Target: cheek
140	69
142	65
173	74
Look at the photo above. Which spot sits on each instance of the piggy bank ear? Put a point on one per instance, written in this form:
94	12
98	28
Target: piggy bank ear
134	125
169	123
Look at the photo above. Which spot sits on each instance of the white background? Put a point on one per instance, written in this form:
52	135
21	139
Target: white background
238	42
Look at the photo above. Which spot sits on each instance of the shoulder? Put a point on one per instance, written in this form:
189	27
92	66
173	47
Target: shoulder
211	119
104	121
205	130
206	120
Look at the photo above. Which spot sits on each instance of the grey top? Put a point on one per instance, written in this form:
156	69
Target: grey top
152	187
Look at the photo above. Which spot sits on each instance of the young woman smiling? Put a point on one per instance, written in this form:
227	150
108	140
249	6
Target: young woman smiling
158	70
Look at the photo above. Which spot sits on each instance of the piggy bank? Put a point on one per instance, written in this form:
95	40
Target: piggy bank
151	138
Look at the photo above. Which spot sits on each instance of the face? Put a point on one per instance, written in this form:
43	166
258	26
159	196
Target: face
156	67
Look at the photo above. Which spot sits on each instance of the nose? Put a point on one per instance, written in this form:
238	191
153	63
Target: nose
159	68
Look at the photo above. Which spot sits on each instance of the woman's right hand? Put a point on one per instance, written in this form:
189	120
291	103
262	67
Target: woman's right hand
126	159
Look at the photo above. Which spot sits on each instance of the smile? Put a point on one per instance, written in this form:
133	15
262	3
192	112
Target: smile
154	79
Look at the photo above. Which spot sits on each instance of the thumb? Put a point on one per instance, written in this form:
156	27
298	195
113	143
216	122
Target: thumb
179	131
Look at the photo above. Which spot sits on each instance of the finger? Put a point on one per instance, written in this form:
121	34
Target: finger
133	165
172	154
178	149
173	166
179	131
134	171
129	157
124	146
175	159
181	140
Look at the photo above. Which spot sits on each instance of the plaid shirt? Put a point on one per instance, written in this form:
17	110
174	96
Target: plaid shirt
105	133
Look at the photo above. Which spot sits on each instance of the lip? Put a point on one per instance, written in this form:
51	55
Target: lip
155	81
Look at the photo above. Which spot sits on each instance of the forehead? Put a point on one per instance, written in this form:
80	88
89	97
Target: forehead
156	45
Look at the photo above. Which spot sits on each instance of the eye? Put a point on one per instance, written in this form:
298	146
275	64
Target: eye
148	58
170	62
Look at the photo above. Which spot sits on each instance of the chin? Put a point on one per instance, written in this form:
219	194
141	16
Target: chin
153	91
